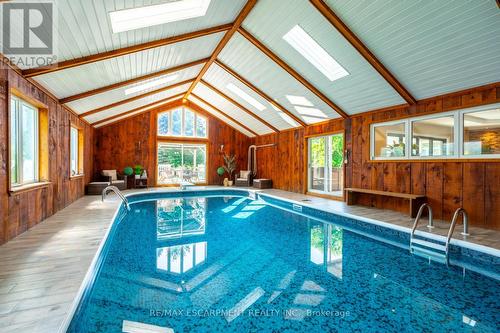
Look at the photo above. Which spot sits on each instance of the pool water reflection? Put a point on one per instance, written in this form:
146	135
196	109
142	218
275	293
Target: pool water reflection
237	265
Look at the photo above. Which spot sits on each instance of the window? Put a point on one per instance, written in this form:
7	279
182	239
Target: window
182	122
24	148
481	133
433	136
325	160
76	151
179	162
470	133
389	140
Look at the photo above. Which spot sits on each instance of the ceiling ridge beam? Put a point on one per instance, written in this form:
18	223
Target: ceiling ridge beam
197	108
149	107
225	114
259	92
236	103
131	99
223	42
123	51
130	81
344	30
264	49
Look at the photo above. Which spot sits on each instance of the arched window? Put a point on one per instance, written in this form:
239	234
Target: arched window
182	122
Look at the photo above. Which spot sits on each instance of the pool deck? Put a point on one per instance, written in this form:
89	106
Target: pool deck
43	268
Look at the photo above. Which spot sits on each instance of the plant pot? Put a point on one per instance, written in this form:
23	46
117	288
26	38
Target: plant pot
137	176
230	183
226	181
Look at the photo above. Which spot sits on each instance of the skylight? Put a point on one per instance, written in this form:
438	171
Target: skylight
314	53
148	16
299	100
150	84
310	111
249	99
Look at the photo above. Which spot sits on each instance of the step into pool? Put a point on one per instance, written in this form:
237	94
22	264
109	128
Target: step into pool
224	262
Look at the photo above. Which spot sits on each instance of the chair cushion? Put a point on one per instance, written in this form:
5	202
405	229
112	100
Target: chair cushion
110	173
117	181
99	183
244	173
242	179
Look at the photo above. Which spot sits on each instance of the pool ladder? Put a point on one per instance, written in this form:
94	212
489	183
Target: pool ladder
117	192
433	250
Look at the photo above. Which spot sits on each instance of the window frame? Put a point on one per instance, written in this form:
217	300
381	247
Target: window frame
458	133
79	151
183	124
19	102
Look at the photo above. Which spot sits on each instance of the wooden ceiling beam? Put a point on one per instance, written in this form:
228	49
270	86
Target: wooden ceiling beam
291	71
225	115
131	99
131	81
124	51
259	92
148	107
234	102
344	30
234	27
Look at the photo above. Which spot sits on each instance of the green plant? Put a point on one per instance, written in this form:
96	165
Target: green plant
128	171
230	164
138	169
220	170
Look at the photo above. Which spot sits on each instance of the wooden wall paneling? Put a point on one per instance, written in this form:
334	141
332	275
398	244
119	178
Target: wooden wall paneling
434	181
452	188
418	180
492	195
4	199
473	192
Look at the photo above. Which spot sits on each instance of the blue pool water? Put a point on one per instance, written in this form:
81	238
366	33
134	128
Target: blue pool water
232	264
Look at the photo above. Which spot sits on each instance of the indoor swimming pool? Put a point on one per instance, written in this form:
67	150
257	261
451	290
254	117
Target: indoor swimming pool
230	263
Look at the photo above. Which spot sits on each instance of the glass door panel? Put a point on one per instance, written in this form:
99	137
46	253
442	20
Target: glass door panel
317	162
326	164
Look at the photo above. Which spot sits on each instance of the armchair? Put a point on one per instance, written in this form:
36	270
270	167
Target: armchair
244	178
113	178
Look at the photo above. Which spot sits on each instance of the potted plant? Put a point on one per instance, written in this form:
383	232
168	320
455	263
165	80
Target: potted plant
220	172
128	171
230	166
138	170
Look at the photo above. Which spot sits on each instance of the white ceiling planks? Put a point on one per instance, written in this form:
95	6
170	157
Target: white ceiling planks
105	98
219	115
84	26
135	104
98	74
140	110
432	47
220	79
263	73
362	90
230	109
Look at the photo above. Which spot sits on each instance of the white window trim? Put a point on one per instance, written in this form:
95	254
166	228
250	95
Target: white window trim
183	123
19	181
77	156
457	133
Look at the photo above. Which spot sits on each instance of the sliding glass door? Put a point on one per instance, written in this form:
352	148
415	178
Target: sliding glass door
181	162
325	172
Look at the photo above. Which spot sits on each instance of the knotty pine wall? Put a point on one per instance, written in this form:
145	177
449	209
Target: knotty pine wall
21	211
133	141
448	184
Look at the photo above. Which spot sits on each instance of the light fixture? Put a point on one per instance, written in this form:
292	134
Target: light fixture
249	99
150	84
299	100
148	16
314	53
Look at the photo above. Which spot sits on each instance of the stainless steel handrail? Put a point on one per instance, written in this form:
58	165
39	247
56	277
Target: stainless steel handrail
465	218
417	219
117	192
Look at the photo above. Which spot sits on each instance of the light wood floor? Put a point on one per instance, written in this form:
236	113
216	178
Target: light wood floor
42	269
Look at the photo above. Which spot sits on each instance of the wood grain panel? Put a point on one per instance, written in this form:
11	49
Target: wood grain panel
473	191
492	195
21	211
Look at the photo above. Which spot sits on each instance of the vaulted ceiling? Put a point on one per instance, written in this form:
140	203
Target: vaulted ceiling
235	62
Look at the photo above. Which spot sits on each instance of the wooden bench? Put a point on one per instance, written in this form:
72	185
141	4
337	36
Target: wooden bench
416	200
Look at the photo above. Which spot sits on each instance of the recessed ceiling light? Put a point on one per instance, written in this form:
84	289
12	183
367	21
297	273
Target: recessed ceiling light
150	84
314	53
249	99
148	16
299	100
